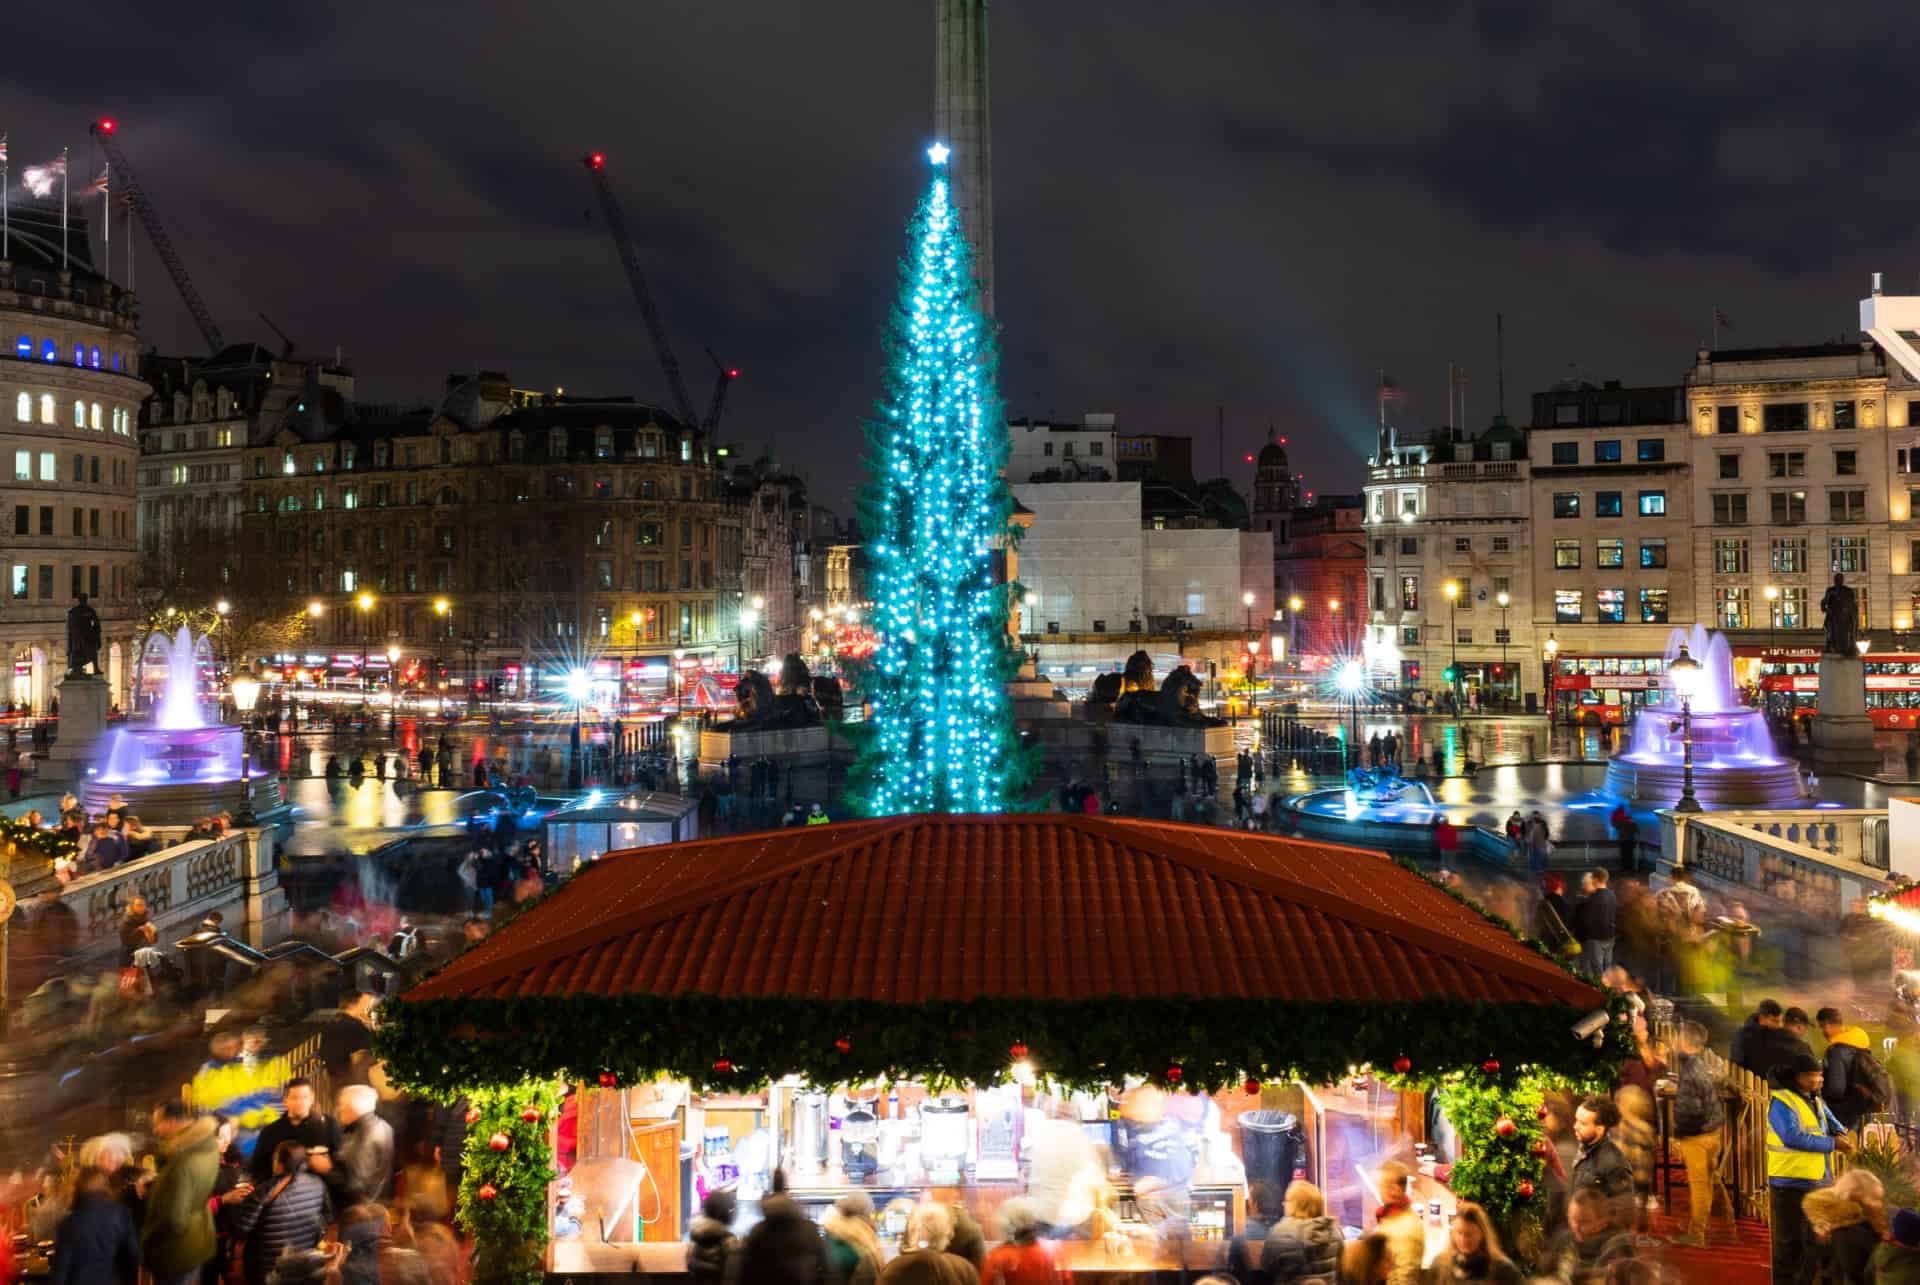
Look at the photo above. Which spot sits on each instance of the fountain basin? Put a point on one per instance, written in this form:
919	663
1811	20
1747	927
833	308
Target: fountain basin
171	775
1724	781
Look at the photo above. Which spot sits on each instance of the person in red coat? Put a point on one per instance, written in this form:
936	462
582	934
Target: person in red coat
1022	1258
1446	839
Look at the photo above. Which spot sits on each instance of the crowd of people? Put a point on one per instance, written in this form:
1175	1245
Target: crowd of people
245	1179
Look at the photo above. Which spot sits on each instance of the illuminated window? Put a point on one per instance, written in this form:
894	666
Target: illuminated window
49	467
94	417
23	348
1653	504
1610	606
49	351
1609	553
1653	606
287	464
1566	606
1653	553
1566	504
79	354
1566	555
23	408
1731	556
93	357
1789	554
79	414
1731	605
1606	504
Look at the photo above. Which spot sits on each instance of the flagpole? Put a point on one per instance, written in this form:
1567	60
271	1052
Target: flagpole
6	228
106	221
1716	328
63	209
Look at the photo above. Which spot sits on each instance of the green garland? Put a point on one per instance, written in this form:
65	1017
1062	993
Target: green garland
40	843
503	1193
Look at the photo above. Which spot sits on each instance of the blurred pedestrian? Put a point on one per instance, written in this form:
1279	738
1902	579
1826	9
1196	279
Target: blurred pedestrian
1022	1258
923	1259
853	1243
1802	1137
1303	1245
1586	1249
95	1243
177	1237
785	1247
1699	1116
287	1213
1847	1221
710	1239
1472	1255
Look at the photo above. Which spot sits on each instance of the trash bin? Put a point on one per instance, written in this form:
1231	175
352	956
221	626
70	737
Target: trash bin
1272	1146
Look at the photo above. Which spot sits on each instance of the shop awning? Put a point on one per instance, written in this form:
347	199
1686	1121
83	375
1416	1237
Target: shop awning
996	926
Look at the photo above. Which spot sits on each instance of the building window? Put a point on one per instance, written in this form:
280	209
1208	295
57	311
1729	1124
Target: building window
1849	553
1651	450
1566	504
1503	544
1784	417
46	409
46	581
1610	606
1786	463
1606	504
1726	419
1730	556
1846	506
1046	448
1566	606
1789	555
1566	452
603	443
19	581
1787	507
1464	637
1791	610
1845	463
49	467
1409	593
1653	504
1653	553
1729	508
1730	606
1409	546
686	450
1609	553
1463	544
603	573
1607	452
1566	555
1653	606
1501	637
1843	415
49	352
1410	635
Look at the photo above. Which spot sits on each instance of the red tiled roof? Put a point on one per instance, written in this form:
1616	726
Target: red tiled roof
912	909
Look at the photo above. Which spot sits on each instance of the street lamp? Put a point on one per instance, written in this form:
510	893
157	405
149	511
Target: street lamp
1505	600
1246	602
246	692
365	603
1351	677
1552	649
579	688
1684	670
1452	590
1253	665
749	618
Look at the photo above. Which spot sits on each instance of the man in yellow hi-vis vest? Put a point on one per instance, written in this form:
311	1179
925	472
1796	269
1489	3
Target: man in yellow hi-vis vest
1802	1136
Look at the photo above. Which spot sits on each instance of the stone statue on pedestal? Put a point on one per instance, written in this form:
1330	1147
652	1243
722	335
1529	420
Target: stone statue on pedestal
1842	610
83	639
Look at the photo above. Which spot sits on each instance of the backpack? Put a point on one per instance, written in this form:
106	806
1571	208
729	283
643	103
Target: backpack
1872	1080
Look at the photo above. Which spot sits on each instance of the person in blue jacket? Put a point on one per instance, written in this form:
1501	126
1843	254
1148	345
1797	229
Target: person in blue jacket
1802	1137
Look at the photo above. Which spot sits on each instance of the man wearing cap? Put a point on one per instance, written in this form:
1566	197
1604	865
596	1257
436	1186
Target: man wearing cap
1802	1136
1897	1258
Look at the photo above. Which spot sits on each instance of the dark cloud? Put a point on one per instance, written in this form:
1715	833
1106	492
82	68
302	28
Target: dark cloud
1240	204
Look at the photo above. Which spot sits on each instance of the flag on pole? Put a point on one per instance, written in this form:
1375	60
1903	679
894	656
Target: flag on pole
99	186
1721	320
63	209
6	228
39	179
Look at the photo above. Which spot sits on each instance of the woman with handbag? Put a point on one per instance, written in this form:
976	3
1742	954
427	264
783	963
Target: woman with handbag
290	1212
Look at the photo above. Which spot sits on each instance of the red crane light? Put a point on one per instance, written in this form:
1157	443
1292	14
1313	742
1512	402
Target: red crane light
1249	459
597	160
733	372
106	125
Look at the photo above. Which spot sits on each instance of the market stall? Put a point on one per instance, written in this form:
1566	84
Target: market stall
1129	1021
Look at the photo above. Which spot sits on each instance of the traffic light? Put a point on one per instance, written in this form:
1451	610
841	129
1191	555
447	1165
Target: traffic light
1450	674
1413	671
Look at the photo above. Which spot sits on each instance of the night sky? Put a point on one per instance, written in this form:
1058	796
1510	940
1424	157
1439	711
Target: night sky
1245	204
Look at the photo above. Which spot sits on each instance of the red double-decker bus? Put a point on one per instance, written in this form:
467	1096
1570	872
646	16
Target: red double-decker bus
1595	689
1790	685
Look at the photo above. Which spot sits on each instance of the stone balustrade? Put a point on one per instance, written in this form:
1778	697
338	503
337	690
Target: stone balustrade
1819	860
235	874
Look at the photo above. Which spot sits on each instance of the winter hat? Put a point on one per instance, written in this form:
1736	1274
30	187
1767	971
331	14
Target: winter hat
855	1204
1906	1228
1795	1064
720	1205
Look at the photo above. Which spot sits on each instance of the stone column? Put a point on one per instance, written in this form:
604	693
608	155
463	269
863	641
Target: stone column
1842	732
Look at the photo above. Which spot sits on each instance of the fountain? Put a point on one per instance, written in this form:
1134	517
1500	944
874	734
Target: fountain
1734	761
181	766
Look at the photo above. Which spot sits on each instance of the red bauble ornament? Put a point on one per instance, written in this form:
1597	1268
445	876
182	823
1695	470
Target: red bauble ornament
487	1191
1525	1189
499	1142
473	1115
1542	1112
844	1044
1543	1148
531	1115
1253	1088
1505	1126
1491	1066
1402	1064
608	1080
1174	1073
723	1066
1018	1051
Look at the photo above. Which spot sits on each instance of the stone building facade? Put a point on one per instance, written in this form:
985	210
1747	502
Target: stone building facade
70	397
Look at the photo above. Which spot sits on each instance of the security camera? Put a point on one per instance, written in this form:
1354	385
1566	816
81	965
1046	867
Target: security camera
1591	1025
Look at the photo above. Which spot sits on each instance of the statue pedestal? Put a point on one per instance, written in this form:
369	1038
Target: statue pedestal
84	699
810	764
1842	732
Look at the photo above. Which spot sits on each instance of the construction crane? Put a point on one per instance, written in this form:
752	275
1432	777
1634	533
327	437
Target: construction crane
727	375
617	225
102	131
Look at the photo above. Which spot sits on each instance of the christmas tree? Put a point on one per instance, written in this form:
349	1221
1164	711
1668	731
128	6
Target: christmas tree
940	735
